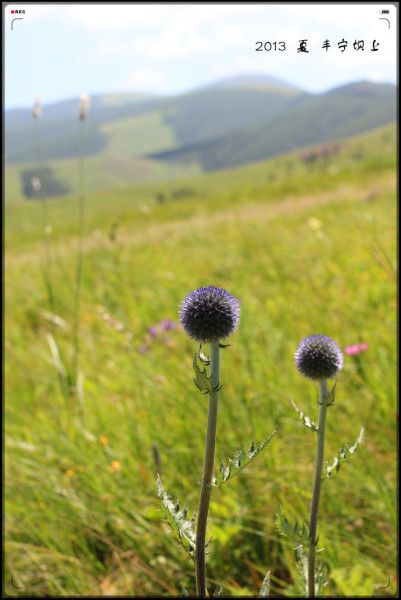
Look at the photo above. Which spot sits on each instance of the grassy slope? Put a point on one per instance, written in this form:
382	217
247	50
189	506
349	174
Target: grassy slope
306	249
140	135
102	171
347	110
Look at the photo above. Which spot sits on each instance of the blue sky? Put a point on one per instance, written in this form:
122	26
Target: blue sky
62	50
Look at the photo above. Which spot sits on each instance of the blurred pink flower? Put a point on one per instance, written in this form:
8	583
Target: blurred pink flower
356	349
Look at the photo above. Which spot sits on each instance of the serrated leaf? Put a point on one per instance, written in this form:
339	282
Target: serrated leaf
345	452
264	591
201	380
297	533
320	577
320	571
182	528
241	458
218	592
307	422
302	567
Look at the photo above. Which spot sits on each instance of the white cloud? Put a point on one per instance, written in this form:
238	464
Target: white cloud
143	77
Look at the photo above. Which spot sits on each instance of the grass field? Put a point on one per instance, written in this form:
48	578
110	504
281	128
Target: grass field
104	171
307	247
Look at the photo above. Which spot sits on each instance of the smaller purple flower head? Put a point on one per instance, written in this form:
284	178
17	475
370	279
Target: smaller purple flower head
209	314
152	331
318	357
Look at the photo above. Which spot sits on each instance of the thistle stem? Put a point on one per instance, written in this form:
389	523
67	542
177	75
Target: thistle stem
323	396
207	472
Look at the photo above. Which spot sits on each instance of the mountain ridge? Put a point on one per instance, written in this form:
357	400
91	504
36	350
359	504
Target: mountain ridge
296	128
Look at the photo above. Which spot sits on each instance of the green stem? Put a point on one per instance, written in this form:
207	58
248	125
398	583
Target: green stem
81	222
47	270
323	396
207	472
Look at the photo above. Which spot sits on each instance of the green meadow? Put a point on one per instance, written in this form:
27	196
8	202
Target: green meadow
307	243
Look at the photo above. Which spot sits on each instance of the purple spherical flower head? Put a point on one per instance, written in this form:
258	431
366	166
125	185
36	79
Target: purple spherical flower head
318	357
209	314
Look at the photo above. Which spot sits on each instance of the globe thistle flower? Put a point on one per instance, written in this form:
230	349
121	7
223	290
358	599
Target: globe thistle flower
318	357
209	314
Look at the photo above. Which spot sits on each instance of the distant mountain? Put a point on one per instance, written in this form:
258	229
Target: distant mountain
343	111
212	112
59	136
252	80
193	117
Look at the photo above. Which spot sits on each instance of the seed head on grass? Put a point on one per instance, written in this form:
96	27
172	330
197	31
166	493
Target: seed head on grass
37	108
83	107
318	357
209	314
36	184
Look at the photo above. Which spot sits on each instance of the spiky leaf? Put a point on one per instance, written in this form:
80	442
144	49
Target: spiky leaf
345	452
176	516
264	591
201	380
218	592
297	533
241	458
307	422
320	571
321	576
302	563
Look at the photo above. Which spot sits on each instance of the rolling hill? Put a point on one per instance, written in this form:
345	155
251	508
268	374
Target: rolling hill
340	112
138	138
193	117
